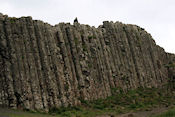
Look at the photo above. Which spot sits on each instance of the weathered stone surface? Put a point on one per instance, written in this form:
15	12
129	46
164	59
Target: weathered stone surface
44	66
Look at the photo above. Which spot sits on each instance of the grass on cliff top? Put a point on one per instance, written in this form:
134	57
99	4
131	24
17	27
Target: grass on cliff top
134	100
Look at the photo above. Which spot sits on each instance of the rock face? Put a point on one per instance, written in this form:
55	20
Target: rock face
44	66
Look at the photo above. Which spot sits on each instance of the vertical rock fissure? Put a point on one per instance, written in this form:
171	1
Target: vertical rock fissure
133	53
28	99
14	66
43	59
6	71
105	80
75	64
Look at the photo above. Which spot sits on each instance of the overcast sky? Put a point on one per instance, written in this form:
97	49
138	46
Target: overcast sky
156	16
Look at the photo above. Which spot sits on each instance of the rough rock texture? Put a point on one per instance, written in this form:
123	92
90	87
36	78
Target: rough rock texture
44	66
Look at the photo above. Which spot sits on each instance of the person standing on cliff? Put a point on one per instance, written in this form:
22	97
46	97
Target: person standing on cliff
76	20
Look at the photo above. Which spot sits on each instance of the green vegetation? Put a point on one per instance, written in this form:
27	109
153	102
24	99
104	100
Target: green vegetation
84	47
12	19
90	65
135	99
22	57
170	65
66	87
17	113
120	102
170	113
92	37
76	41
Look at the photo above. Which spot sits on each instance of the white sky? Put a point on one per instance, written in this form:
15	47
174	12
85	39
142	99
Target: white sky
156	16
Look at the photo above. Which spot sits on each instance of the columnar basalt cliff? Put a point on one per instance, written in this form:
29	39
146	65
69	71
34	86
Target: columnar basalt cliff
44	66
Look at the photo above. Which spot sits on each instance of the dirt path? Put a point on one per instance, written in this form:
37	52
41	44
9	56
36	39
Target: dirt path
145	113
154	111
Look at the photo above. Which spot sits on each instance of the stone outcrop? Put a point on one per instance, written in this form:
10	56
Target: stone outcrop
44	66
